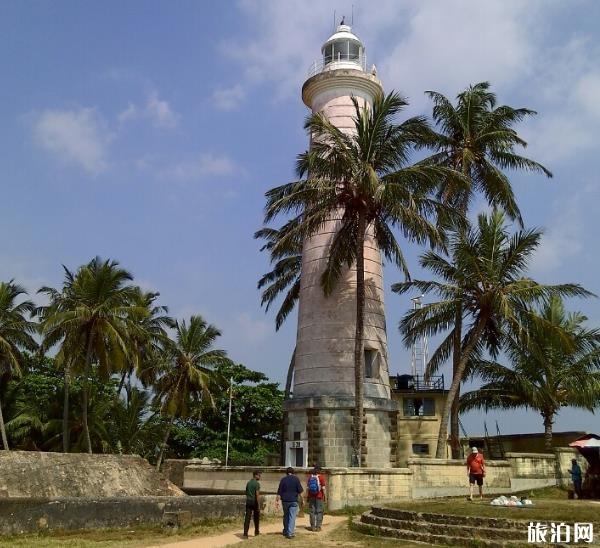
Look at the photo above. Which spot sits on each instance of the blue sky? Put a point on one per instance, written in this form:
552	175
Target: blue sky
149	131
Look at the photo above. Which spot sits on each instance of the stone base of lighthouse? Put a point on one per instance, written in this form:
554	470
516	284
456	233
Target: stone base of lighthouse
318	431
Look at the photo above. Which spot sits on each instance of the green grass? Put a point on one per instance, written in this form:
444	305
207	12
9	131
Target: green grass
550	504
130	537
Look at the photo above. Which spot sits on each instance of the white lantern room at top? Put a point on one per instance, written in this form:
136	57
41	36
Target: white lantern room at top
343	50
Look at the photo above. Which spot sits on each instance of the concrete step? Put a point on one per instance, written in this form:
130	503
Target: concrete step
449	519
444	529
430	539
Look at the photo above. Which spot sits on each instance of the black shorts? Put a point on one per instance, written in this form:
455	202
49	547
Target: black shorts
476	478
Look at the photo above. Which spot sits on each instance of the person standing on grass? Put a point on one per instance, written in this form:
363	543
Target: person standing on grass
253	504
576	476
475	471
315	493
288	492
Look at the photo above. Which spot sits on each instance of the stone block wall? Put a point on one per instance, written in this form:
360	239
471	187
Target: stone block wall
31	515
377	436
364	486
446	477
326	423
531	470
331	438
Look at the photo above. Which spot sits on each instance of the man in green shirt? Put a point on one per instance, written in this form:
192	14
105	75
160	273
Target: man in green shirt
252	504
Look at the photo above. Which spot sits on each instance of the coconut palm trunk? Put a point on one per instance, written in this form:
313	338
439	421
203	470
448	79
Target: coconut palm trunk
85	396
163	447
65	421
548	423
3	430
440	452
454	410
359	343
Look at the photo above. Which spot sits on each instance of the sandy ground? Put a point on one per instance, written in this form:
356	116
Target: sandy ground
233	537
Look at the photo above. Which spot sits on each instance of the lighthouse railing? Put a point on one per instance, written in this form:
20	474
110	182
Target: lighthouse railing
341	60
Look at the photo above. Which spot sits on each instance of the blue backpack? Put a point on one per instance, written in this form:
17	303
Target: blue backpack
314	485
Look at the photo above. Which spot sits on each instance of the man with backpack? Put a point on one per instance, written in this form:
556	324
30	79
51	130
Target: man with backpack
315	493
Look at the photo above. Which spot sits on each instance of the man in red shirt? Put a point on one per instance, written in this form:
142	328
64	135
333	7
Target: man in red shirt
315	493
475	471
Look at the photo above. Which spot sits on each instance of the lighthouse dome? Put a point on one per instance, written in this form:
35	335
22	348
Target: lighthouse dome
343	49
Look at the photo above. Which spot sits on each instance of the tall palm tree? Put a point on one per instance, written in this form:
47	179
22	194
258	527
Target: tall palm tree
554	364
484	272
366	180
15	335
92	320
146	343
186	379
477	139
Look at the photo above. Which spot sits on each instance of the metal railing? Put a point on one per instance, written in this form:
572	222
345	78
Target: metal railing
416	383
330	63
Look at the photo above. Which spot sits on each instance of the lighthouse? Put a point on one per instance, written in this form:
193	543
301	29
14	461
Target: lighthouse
318	414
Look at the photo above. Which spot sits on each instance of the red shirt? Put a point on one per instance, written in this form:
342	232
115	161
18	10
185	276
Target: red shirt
475	463
320	494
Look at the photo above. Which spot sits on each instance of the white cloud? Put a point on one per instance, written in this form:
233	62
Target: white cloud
228	98
208	164
157	110
160	112
251	330
587	93
564	239
74	136
130	113
417	46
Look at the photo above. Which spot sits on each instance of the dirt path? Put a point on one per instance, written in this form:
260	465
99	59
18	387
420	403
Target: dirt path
235	536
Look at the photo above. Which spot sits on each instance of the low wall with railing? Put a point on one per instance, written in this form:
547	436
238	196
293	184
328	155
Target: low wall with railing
422	478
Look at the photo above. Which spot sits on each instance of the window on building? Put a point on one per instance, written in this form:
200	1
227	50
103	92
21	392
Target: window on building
297	436
371	364
419	407
420	449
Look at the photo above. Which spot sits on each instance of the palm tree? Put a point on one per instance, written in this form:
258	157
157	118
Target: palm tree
554	364
285	275
186	379
484	273
145	344
15	335
477	139
365	179
92	320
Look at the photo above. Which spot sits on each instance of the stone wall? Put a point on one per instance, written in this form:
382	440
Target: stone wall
365	486
531	470
27	515
56	475
446	477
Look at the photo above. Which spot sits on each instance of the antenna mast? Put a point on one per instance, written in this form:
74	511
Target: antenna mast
352	18
419	347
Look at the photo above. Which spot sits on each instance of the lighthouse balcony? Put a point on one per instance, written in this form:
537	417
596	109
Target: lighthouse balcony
340	60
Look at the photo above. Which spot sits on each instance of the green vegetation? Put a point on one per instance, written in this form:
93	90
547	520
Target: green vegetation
477	139
126	378
484	271
554	361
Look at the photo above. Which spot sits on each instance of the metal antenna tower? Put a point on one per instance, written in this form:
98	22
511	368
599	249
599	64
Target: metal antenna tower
419	348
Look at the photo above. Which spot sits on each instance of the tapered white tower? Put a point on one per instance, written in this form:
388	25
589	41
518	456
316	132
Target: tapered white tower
319	414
